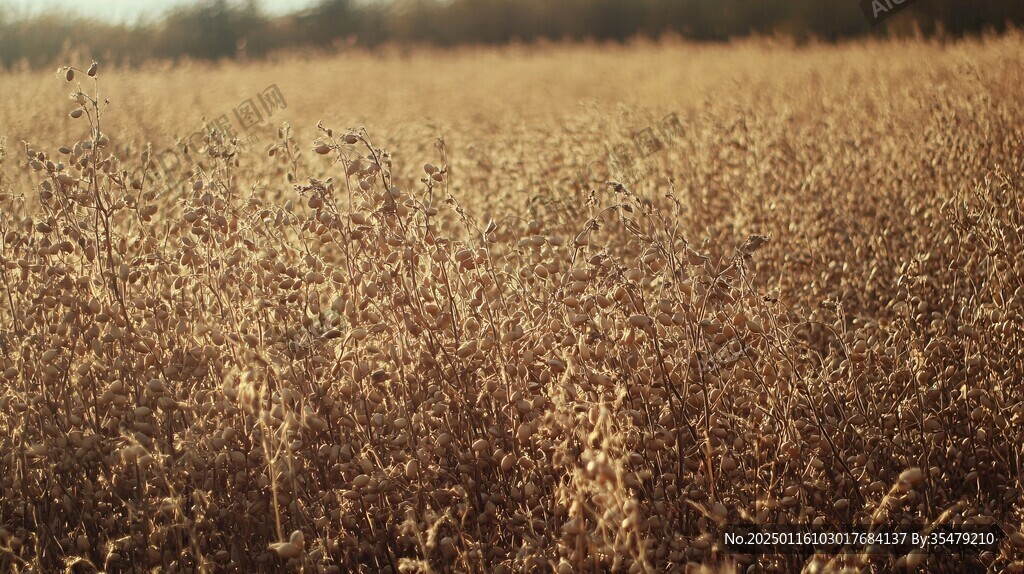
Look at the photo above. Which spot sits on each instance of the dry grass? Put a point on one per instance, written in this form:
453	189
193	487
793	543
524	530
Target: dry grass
330	359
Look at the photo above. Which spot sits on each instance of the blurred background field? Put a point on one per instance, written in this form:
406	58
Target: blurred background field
546	305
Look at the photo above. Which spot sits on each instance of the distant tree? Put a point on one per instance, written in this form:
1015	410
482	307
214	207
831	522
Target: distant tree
211	29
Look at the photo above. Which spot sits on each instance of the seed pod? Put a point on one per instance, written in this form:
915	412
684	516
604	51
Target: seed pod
285	550
913	560
412	468
466	349
507	463
523	433
909	478
70	75
92	70
76	113
640	321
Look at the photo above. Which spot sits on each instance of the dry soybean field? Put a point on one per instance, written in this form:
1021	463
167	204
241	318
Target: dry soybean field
540	308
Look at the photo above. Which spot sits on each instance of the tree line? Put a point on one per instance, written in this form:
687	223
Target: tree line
216	29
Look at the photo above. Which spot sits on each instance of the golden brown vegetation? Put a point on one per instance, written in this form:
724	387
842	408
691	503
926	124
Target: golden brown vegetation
322	357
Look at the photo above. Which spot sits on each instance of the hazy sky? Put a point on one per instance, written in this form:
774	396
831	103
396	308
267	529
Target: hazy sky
129	10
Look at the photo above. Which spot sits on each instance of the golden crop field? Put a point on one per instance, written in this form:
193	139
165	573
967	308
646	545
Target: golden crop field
525	309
